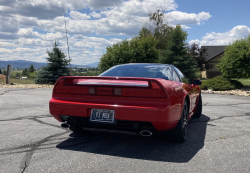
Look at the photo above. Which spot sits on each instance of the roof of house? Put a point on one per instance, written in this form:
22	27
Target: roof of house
213	51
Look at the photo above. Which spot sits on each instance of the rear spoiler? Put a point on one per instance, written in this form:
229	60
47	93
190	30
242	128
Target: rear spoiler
126	86
111	78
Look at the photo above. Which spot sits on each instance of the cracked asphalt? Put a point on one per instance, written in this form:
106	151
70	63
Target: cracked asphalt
32	141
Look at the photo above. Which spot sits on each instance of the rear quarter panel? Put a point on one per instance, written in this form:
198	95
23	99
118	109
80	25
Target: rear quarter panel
176	93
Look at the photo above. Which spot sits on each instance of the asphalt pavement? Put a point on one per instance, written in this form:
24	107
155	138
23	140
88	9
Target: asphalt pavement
32	141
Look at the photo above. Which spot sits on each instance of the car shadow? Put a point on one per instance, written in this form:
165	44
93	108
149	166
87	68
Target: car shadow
160	147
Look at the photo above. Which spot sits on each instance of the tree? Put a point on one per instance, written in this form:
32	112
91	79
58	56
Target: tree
137	50
56	67
4	72
18	74
25	72
236	59
176	54
32	75
199	54
0	71
31	69
159	28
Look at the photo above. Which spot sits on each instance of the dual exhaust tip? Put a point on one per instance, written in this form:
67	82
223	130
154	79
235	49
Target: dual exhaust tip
144	133
65	125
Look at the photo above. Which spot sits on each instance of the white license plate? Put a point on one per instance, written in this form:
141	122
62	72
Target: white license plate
102	115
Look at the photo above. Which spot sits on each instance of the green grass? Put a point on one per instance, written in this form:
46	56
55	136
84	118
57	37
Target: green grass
245	82
18	81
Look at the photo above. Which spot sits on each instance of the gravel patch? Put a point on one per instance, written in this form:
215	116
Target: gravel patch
26	86
240	92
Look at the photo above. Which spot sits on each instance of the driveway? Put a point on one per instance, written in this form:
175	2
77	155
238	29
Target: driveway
32	141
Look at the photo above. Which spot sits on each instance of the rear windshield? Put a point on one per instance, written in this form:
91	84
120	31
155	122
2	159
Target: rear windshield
145	71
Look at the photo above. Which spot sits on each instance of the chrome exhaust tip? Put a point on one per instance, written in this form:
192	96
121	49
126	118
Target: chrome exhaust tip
65	125
145	133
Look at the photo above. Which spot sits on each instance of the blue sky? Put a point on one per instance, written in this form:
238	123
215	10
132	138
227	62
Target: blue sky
28	28
226	14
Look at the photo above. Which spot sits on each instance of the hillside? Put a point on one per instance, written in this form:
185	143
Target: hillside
27	64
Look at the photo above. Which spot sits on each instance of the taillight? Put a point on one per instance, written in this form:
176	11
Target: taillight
72	86
154	90
71	81
59	86
154	85
157	89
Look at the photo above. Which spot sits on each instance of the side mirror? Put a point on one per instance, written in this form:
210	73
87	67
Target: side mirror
197	82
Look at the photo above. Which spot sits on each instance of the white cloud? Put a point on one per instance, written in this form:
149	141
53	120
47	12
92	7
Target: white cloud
28	28
95	15
178	17
214	38
79	16
41	9
103	4
8	24
27	33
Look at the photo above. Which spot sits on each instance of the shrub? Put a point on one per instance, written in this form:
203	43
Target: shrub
221	84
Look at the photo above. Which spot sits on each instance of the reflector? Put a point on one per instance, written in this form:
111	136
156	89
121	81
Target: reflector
117	91
92	90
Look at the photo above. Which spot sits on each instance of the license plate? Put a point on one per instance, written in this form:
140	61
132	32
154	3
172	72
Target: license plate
102	115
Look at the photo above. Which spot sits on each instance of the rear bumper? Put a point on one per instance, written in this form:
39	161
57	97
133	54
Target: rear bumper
160	117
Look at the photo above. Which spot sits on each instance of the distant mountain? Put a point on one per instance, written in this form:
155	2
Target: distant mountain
95	64
27	64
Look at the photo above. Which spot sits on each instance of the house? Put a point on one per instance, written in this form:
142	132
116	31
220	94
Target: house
214	53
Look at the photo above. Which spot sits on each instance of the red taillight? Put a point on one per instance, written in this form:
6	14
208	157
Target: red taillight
72	86
69	86
157	90
71	81
59	85
155	85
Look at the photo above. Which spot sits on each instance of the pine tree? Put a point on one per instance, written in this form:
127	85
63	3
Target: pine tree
56	67
32	69
0	71
25	72
176	54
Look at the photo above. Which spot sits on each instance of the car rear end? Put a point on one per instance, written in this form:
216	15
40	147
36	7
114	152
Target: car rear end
118	103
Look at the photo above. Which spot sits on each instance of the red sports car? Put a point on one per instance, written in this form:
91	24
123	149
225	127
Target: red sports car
143	98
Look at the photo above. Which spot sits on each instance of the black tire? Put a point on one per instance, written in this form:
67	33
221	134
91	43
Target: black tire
198	111
180	131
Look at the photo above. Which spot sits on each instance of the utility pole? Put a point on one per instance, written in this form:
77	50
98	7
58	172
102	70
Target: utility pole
67	39
8	74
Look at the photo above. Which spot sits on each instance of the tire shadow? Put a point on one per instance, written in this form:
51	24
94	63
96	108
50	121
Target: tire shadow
159	147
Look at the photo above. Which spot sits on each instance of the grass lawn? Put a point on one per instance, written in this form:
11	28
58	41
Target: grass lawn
245	82
18	81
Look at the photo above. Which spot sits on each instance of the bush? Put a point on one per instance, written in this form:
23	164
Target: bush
221	84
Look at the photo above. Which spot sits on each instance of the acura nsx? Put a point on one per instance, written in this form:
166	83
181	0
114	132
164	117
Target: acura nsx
140	97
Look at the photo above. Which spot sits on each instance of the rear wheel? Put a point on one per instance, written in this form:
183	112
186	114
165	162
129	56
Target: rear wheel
198	111
181	128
